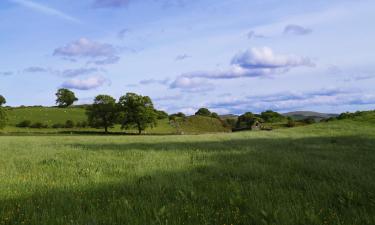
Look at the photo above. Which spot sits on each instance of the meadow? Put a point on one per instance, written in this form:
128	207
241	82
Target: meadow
318	174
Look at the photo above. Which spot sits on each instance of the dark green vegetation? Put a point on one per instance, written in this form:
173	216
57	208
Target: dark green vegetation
318	174
103	112
65	98
137	112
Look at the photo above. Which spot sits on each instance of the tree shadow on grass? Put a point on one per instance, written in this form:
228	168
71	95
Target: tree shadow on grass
246	181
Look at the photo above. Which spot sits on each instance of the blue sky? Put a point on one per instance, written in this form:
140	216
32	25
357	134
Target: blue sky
231	56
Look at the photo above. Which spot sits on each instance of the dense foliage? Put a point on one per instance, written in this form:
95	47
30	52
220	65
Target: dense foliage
203	112
270	116
246	120
103	113
65	98
137	111
2	100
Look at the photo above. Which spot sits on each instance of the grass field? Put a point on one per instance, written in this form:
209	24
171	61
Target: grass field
319	174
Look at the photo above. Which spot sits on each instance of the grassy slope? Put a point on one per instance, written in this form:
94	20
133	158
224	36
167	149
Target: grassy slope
319	174
45	115
52	115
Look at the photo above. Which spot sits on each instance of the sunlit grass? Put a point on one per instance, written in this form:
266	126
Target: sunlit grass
320	174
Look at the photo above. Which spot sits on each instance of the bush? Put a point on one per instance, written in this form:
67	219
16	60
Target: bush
24	124
291	123
83	124
161	114
177	115
215	115
58	125
271	116
203	112
309	121
69	124
38	125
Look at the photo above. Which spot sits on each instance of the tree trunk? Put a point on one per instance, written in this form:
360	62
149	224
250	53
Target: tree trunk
106	129
139	129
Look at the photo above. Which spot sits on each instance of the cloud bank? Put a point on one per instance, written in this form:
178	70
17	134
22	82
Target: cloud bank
85	84
102	53
254	62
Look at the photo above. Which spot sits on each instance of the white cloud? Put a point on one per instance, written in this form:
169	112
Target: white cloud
85	48
265	58
254	62
85	84
191	84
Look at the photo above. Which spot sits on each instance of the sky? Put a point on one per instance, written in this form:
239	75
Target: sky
231	56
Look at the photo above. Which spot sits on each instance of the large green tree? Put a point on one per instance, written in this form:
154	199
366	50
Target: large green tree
103	113
65	98
137	111
2	100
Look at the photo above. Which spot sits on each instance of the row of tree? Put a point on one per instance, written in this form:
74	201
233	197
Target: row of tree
131	111
135	111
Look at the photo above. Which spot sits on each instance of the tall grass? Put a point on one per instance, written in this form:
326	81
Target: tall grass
320	174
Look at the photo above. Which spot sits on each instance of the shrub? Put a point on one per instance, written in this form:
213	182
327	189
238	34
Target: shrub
291	122
203	112
246	120
177	115
309	121
69	124
38	125
271	116
161	114
24	124
82	124
215	115
58	125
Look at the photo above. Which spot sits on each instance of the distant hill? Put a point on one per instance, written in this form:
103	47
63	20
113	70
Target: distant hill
300	115
229	116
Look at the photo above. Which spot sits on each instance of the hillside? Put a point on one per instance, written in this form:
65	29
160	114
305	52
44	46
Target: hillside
54	115
300	115
45	115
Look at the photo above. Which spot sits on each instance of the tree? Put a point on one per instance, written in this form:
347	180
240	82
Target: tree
137	111
203	112
246	120
271	116
103	113
65	98
2	100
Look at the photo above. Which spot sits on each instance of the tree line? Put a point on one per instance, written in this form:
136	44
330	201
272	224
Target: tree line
133	111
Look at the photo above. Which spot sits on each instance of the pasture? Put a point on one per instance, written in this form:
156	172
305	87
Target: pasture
318	174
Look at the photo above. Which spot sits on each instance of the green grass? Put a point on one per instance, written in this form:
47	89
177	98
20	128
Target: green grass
45	115
319	174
